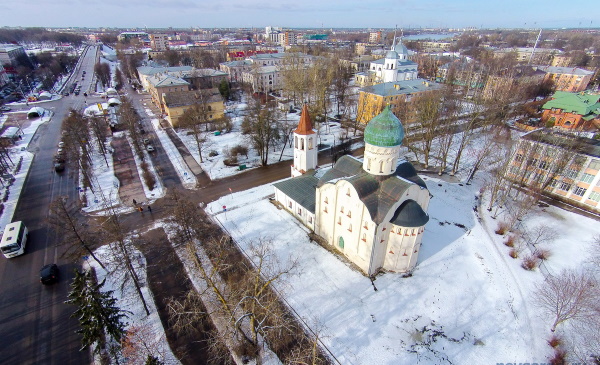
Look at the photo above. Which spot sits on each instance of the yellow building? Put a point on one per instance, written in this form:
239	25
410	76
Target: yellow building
176	103
372	99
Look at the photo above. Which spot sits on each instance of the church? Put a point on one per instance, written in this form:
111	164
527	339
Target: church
394	67
372	211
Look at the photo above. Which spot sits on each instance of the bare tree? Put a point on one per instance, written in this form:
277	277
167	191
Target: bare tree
570	295
196	117
262	129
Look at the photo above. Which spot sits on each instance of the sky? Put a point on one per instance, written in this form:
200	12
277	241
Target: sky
301	13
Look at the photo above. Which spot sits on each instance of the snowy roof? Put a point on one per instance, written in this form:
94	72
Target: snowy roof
10	132
149	70
378	193
301	189
401	87
36	110
167	80
565	70
410	214
110	90
113	101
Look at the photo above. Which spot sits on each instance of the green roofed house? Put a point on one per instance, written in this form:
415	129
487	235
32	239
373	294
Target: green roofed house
372	211
572	111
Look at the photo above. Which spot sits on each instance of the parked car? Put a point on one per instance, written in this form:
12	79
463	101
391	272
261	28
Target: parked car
49	274
61	144
146	141
149	148
59	166
5	109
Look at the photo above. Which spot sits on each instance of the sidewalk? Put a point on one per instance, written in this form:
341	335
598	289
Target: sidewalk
126	171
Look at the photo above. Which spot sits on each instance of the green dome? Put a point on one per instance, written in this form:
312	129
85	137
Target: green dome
385	130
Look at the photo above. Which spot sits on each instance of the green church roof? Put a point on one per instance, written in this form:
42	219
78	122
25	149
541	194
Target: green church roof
385	130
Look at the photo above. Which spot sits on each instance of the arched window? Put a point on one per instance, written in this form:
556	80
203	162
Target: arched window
350	227
326	200
295	142
310	143
341	242
208	108
349	214
381	166
368	164
340	221
302	144
364	237
348	192
342	209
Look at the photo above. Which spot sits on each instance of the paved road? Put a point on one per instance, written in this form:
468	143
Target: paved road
35	324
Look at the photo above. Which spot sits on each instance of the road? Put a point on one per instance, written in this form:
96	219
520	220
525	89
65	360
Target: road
35	323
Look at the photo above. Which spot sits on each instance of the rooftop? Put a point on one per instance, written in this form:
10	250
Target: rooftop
565	70
577	103
401	87
584	146
149	70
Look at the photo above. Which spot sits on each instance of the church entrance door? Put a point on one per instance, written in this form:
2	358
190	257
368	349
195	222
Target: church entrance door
341	242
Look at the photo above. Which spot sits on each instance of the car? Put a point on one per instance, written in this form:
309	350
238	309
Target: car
65	94
146	141
149	148
61	144
85	94
59	166
5	109
49	274
142	131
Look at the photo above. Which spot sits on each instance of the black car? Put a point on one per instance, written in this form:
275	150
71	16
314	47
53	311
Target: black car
49	274
59	166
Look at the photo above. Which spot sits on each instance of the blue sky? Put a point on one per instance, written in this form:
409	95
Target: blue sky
301	13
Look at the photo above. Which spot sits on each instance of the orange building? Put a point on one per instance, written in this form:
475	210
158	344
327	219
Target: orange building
571	79
572	111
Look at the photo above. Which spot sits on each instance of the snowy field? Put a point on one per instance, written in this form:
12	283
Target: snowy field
327	135
465	285
467	301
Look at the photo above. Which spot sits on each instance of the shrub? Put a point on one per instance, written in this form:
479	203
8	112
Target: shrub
510	241
213	153
513	253
559	357
529	263
239	150
231	161
543	254
502	228
554	341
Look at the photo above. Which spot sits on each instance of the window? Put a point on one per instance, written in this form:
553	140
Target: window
381	166
579	191
594	165
368	164
364	237
350	227
299	211
342	209
553	183
564	186
366	225
595	196
302	144
310	143
519	157
326	200
309	219
340	221
587	178
348	192
544	165
349	214
325	210
290	204
571	174
296	142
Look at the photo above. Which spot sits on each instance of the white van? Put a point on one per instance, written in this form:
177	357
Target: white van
14	239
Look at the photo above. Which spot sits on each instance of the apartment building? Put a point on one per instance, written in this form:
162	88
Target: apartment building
159	42
573	79
572	111
562	166
176	103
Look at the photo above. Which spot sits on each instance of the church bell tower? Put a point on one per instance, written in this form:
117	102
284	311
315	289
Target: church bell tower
305	145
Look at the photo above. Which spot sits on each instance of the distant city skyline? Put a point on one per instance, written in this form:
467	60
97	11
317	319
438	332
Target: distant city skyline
302	14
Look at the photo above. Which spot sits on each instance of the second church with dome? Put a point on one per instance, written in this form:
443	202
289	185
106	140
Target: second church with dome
372	211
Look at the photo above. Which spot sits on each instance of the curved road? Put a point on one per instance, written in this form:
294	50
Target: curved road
35	324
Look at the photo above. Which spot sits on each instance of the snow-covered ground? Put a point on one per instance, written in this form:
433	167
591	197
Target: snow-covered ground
466	302
150	335
465	285
19	152
328	135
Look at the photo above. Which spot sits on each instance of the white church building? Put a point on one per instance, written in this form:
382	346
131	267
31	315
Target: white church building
372	211
394	67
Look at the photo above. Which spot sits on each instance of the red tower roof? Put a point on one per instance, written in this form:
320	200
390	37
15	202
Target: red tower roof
305	124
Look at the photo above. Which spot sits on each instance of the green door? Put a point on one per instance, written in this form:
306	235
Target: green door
341	242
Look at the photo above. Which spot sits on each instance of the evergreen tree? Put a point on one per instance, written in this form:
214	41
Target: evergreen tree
224	89
97	311
153	360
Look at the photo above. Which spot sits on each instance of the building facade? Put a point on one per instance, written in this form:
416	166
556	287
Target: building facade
159	42
372	211
210	101
394	67
572	111
572	79
562	166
